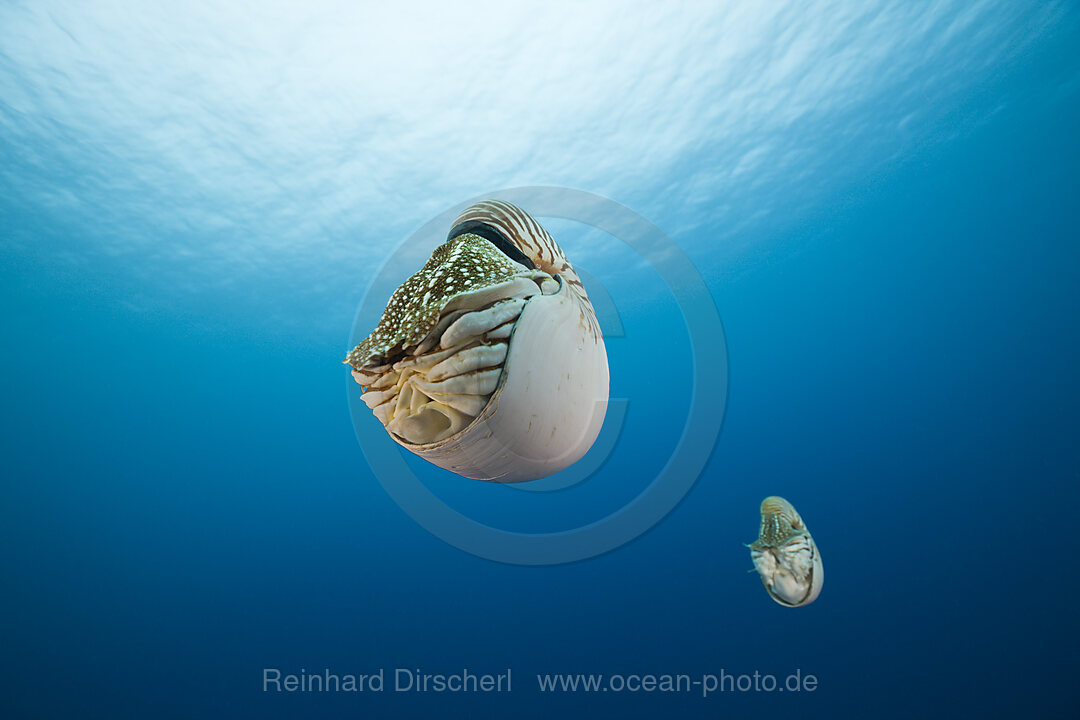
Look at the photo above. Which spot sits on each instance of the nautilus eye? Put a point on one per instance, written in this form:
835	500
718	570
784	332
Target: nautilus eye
489	362
785	555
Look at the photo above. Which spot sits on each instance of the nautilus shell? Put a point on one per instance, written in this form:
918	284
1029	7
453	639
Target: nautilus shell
489	362
785	555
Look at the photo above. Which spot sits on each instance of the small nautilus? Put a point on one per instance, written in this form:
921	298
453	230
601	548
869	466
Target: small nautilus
489	362
785	555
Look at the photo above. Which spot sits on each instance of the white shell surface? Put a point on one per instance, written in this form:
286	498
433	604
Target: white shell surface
785	555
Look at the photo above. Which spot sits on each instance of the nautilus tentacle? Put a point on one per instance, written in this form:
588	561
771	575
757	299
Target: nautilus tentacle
489	361
785	555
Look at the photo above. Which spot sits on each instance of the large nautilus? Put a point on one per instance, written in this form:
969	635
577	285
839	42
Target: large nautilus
489	362
785	555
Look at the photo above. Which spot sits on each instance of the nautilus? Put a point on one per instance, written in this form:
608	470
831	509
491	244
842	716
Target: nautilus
785	556
489	361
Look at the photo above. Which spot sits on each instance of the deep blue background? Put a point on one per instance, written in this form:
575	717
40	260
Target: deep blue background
185	503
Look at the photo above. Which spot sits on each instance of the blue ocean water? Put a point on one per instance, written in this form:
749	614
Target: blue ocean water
880	198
